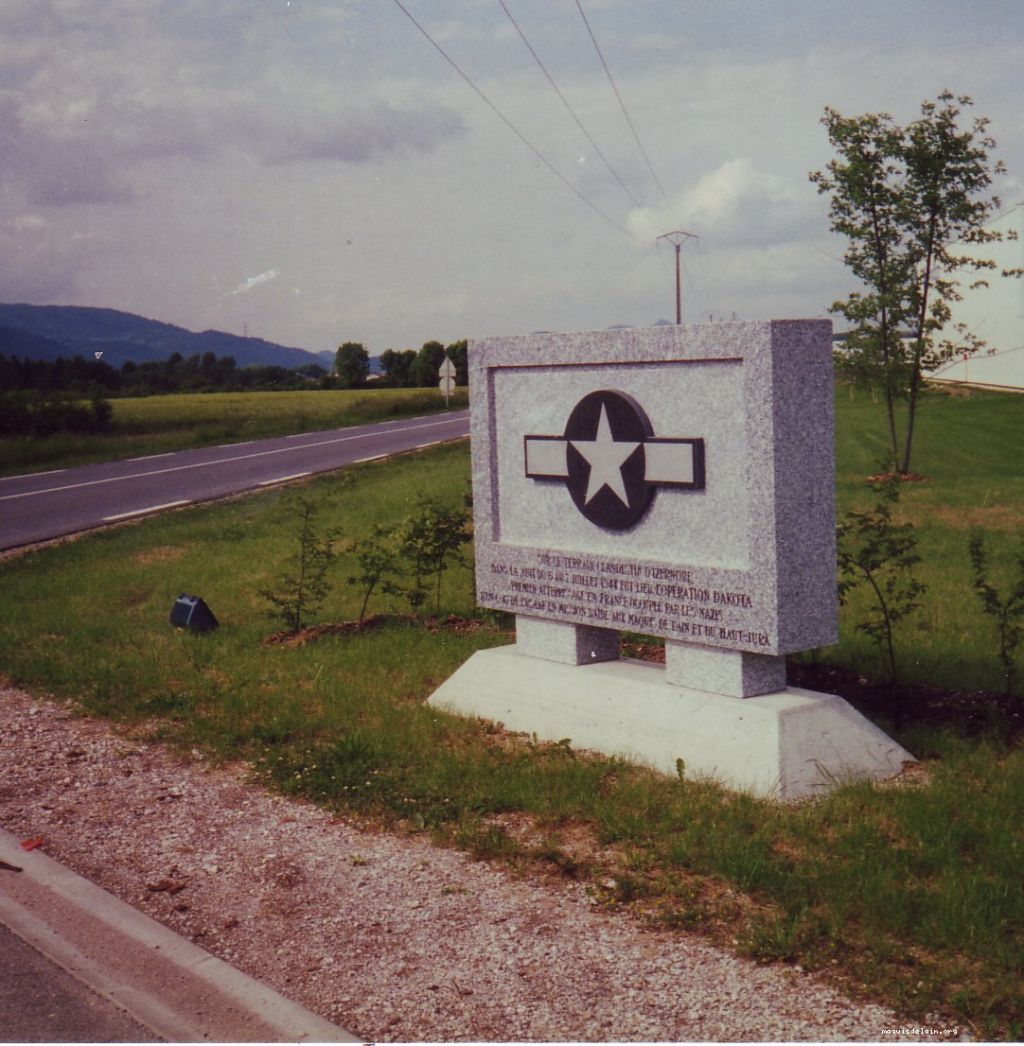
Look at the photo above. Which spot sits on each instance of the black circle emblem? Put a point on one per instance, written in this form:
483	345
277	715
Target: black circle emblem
605	434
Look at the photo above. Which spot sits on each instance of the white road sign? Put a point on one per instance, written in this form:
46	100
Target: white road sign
446	372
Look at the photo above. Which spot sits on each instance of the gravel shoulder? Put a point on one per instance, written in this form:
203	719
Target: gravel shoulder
386	935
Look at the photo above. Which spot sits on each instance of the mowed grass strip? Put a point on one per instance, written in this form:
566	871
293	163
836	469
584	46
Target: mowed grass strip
155	424
908	893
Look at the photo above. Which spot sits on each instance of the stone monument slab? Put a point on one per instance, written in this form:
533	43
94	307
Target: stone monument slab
672	481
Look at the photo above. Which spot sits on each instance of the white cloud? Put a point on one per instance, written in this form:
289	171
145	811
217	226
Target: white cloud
737	203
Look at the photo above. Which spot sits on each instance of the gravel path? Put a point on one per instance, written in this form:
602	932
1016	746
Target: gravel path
388	936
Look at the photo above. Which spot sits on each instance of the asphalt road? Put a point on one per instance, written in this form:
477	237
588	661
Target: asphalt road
40	1002
51	504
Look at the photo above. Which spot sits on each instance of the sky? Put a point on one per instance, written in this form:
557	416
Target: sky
316	171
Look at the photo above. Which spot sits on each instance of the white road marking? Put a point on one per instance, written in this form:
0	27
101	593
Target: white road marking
374	457
150	457
219	461
282	479
145	511
33	475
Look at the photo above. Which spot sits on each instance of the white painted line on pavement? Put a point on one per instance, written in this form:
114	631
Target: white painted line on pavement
145	511
151	457
282	479
32	475
220	461
373	457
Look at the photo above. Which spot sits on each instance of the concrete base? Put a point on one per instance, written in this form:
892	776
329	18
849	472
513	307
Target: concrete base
786	745
564	642
730	672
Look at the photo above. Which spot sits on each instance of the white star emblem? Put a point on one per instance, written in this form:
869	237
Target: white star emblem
605	456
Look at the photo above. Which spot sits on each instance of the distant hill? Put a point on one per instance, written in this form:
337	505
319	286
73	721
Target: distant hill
45	332
14	342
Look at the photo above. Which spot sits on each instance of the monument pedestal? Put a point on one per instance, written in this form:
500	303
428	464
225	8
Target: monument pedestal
786	745
676	482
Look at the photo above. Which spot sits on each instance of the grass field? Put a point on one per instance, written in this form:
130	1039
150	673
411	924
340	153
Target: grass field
155	424
968	450
910	894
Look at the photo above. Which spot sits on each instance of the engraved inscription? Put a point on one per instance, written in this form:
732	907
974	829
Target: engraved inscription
657	600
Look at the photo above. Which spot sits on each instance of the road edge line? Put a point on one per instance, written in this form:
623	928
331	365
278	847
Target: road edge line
292	1022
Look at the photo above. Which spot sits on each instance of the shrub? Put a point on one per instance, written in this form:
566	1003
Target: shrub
432	536
877	551
1008	612
31	413
301	590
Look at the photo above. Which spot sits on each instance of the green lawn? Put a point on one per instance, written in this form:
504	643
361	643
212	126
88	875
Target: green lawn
969	455
155	424
910	895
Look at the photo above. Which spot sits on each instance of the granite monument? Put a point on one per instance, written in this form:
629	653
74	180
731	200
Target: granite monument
675	482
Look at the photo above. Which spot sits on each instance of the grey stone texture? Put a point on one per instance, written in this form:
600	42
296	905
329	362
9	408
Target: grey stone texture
565	643
746	564
732	672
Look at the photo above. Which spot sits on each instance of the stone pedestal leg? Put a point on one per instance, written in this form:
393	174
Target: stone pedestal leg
565	643
734	673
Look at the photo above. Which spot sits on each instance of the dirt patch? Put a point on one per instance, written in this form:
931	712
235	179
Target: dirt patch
904	477
1005	518
314	632
452	624
968	713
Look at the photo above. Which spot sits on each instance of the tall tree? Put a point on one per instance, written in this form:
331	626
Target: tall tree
913	202
425	366
397	365
351	365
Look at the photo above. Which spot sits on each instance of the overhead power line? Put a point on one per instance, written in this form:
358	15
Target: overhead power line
572	112
511	126
625	111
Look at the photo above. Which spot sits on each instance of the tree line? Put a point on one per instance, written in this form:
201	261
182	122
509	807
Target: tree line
400	368
79	376
85	377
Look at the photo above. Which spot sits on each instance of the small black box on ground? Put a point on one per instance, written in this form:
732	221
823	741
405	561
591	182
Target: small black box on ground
192	613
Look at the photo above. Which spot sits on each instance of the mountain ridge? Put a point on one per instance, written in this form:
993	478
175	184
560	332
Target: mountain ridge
49	331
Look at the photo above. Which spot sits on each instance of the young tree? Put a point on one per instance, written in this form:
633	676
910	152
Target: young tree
913	203
875	550
302	588
429	538
1008	611
376	557
351	365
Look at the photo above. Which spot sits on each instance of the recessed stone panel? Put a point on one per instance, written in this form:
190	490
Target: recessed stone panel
672	481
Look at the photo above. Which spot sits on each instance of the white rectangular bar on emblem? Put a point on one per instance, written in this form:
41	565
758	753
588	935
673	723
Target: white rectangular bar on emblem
546	457
668	462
